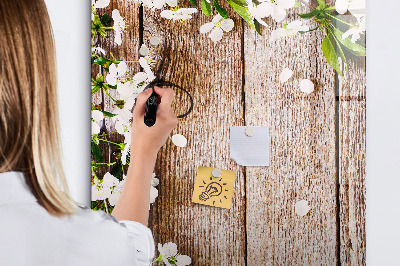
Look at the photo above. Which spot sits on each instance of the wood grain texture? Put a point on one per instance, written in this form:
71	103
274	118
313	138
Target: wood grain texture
236	82
212	73
128	50
352	151
302	164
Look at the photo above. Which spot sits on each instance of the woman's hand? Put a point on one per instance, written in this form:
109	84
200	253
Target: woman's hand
147	141
133	203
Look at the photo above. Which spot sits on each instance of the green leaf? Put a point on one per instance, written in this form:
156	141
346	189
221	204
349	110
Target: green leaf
117	170
243	12
297	4
105	19
222	11
100	61
99	78
108	114
312	14
193	2
96	152
205	7
355	48
96	20
330	53
321	2
95	89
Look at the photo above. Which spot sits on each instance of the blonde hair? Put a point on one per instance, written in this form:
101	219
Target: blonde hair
29	117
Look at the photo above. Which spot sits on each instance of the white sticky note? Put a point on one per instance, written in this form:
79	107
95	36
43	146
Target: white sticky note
250	150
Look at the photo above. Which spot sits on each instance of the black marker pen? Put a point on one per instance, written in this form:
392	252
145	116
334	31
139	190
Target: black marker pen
151	109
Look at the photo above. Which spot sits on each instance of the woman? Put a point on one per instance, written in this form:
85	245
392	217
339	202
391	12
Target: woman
40	224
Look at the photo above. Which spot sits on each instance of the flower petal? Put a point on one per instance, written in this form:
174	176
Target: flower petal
206	27
306	86
227	24
278	13
97	115
216	34
95	128
183	260
301	207
179	140
285	75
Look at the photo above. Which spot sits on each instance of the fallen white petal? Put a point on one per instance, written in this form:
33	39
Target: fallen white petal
301	207
285	75
216	34
179	140
97	115
306	86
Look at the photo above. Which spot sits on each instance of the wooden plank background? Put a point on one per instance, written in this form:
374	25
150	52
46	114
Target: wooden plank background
317	150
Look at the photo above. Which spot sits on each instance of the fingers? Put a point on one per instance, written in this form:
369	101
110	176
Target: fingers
167	96
141	102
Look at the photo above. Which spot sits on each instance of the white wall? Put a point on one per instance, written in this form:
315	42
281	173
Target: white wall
71	23
383	133
71	26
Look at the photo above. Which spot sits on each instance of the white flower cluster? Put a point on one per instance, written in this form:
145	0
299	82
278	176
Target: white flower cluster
110	188
217	27
274	8
169	251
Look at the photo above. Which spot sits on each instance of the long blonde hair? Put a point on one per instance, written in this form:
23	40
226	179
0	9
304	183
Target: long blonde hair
29	116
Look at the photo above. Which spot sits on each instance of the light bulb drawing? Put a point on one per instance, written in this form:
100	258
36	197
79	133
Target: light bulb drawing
213	189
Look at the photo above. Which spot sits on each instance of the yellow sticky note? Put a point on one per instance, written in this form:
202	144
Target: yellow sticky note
212	191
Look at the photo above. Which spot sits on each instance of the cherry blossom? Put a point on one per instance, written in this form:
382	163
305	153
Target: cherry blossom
290	30
217	27
119	26
179	14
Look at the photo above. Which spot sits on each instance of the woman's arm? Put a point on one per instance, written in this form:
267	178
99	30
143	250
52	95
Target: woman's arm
133	203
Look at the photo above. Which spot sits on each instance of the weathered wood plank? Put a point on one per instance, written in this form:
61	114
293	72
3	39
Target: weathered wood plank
128	50
212	73
302	164
352	152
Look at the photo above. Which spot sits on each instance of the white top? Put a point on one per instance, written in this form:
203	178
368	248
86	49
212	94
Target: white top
29	235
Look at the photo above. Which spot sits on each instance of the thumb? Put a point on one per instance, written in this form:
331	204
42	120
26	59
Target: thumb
140	105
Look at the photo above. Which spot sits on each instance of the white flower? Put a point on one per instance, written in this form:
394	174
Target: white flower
153	194
301	207
180	14
100	3
259	11
113	198
274	8
170	250
356	31
109	180
356	7
146	67
179	140
98	194
122	119
306	86
119	26
96	116
154	180
116	72
285	75
98	50
291	29
217	26
124	153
